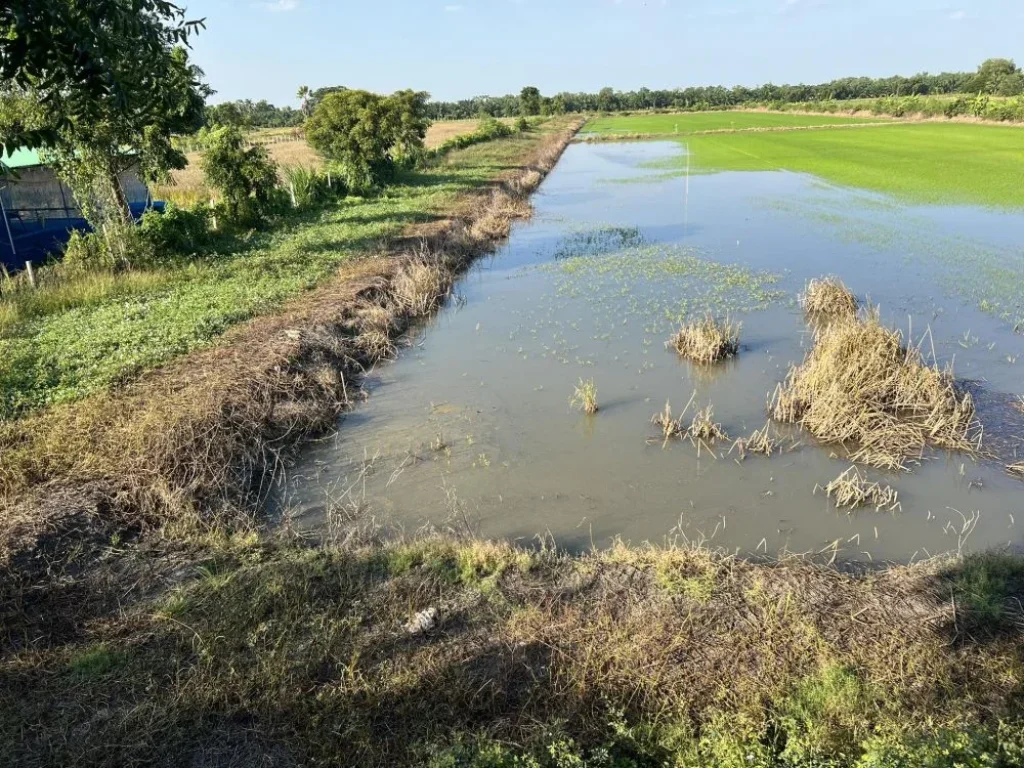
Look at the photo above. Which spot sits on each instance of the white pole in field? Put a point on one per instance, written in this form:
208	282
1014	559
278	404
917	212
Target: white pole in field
291	188
31	274
686	205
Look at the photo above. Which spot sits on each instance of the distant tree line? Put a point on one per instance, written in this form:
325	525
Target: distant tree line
245	113
996	77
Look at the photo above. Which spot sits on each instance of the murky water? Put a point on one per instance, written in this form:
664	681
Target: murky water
472	424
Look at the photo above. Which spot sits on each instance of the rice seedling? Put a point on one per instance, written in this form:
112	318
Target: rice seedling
585	397
853	489
707	340
862	388
760	441
828	297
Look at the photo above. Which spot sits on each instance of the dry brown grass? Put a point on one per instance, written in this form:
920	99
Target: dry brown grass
442	130
828	297
707	341
853	489
762	441
861	387
188	186
670	427
1017	470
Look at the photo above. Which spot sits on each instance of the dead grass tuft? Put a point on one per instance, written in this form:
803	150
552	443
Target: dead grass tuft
761	441
861	387
828	297
1017	470
585	397
707	340
853	489
420	284
670	427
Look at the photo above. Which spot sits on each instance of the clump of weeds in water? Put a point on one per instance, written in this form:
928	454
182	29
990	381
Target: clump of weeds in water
761	441
585	397
707	341
861	386
853	489
1017	470
828	297
669	426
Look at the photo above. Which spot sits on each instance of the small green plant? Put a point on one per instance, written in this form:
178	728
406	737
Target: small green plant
95	662
245	177
585	397
175	231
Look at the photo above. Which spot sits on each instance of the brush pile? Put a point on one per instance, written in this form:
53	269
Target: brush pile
862	388
852	489
828	298
707	341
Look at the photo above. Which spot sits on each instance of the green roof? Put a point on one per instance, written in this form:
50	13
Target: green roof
21	158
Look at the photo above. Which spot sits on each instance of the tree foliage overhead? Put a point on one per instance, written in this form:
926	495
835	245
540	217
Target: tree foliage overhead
368	135
87	60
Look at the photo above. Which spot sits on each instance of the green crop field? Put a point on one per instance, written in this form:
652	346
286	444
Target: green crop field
925	162
692	122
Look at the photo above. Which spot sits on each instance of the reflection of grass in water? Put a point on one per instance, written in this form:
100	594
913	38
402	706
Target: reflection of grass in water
594	242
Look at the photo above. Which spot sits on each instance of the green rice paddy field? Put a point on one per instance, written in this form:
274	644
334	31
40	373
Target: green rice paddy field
950	163
694	122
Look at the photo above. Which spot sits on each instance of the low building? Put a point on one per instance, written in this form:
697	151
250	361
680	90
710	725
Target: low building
40	213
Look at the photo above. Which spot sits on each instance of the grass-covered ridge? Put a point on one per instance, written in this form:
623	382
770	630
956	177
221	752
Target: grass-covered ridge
693	122
273	653
935	163
63	343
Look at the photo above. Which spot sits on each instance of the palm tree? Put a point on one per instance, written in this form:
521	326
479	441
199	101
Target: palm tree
303	94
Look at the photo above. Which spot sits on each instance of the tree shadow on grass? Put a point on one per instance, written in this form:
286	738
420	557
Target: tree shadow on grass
983	597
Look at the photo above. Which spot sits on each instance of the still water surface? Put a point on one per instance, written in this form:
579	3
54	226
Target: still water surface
474	418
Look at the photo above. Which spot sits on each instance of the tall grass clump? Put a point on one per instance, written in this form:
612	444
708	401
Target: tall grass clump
828	297
585	397
861	387
853	489
707	340
761	441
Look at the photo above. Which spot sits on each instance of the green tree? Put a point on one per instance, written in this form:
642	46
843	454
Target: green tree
606	101
368	134
86	61
529	101
245	177
999	77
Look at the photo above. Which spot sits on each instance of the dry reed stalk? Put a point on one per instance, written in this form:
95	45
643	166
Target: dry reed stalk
828	297
1017	470
707	340
861	387
760	441
670	427
852	489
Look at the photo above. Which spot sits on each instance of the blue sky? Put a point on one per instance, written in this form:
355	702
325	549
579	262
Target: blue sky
460	48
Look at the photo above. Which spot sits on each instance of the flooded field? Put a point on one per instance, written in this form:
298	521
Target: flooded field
472	425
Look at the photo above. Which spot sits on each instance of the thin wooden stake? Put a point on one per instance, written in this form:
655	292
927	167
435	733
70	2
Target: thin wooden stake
291	188
31	274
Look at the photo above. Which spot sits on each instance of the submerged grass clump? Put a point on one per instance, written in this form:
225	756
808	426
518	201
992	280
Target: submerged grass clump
761	441
861	387
585	397
853	489
1017	470
828	297
702	430
707	340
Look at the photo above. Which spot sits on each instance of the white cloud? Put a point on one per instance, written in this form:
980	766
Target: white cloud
958	15
281	5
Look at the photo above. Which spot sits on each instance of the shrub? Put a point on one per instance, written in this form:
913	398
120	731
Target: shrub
175	231
310	186
86	250
245	177
368	135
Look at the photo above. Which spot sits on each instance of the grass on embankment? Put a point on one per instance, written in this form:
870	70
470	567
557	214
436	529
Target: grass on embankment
278	654
77	338
940	163
692	122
